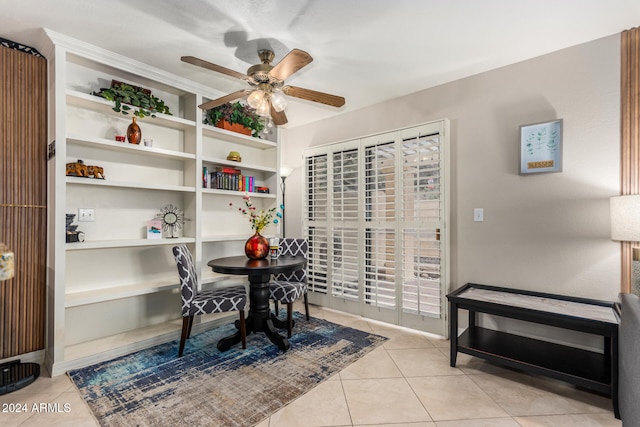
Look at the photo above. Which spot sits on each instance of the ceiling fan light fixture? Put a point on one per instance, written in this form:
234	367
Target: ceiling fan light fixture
256	98
264	110
278	101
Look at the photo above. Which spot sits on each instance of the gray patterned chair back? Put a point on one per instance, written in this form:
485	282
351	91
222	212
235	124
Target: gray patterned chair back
293	247
188	276
205	301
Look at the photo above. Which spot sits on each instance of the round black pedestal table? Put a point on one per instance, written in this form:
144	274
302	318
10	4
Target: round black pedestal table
260	318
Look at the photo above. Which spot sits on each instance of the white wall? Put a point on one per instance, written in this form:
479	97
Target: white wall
545	232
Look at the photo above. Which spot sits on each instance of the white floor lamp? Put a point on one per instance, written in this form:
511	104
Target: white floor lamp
284	173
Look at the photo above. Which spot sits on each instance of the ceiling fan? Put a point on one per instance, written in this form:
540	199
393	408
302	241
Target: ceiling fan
267	84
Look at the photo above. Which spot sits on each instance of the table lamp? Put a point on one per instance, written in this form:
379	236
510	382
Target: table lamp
625	227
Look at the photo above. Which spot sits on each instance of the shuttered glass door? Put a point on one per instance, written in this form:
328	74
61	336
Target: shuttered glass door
316	215
380	246
421	223
375	220
344	216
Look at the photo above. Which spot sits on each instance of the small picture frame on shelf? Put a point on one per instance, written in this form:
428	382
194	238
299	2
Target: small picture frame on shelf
541	147
154	229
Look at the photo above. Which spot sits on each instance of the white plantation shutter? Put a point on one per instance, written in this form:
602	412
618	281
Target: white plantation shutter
380	216
344	263
316	208
344	218
316	214
376	210
421	272
380	182
421	222
380	268
317	259
345	186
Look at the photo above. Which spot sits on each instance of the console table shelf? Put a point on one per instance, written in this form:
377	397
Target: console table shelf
589	369
574	365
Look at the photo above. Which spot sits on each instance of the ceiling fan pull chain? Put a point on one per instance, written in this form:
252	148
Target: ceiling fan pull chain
268	124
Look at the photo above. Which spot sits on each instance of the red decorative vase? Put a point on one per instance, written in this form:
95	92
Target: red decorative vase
134	134
257	247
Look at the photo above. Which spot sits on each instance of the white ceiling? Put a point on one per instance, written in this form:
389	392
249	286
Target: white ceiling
365	50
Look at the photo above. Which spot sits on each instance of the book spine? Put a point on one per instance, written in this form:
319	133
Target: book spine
205	177
228	170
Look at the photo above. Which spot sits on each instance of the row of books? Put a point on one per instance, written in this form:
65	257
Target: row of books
226	178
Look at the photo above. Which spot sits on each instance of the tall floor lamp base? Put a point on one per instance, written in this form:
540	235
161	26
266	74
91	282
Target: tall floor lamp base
15	375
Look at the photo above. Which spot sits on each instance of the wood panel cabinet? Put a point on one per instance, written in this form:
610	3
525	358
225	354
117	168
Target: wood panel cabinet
23	149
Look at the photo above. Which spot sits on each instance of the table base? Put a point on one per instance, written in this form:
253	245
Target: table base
260	318
268	326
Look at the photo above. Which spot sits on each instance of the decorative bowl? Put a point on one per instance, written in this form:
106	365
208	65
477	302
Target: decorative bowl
234	156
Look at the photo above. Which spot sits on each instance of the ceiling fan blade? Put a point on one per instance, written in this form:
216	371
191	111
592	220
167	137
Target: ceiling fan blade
294	61
214	67
312	95
279	118
223	100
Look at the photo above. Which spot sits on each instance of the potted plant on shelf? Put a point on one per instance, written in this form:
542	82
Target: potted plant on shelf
125	95
244	118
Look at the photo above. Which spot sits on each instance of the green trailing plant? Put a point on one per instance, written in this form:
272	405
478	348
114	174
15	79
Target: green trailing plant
126	96
236	113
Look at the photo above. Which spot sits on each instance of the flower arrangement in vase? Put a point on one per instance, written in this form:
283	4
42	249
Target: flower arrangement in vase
257	247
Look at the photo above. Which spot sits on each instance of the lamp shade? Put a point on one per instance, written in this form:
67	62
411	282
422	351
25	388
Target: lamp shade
278	102
255	99
285	171
625	218
264	109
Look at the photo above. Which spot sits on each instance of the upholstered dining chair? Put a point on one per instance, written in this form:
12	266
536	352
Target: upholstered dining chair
195	302
285	288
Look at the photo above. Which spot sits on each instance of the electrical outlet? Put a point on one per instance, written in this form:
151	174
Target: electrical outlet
86	214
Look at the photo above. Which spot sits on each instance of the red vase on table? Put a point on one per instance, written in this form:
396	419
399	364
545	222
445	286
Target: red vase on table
257	247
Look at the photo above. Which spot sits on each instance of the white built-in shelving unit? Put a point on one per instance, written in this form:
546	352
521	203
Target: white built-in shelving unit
118	291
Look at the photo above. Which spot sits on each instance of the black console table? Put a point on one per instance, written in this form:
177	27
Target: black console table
592	370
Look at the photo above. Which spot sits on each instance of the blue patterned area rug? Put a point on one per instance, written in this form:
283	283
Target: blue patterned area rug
205	387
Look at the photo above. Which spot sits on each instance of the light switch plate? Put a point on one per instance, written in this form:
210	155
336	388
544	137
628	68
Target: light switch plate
478	214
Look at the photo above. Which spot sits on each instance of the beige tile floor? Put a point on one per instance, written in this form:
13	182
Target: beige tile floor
407	382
